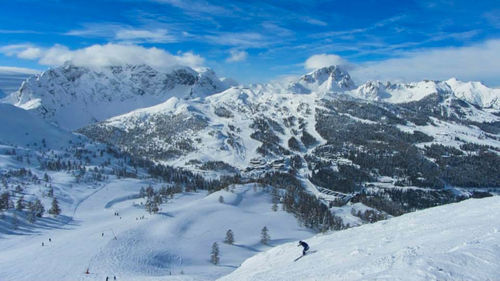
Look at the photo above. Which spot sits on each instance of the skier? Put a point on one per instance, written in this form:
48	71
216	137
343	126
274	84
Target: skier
107	278
306	247
50	239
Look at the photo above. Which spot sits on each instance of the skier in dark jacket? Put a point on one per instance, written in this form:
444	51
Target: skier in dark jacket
306	247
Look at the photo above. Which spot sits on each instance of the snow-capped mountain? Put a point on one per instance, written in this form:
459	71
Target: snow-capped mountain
336	137
73	96
475	93
314	154
328	79
472	92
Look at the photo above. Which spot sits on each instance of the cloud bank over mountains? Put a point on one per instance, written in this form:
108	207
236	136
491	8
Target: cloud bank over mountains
103	55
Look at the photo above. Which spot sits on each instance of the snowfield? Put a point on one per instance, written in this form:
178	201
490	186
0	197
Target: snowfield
452	242
175	241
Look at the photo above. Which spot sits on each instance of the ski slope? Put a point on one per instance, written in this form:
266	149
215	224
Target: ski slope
175	241
452	242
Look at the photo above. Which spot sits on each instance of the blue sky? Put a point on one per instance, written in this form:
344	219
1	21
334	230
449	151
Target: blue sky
255	41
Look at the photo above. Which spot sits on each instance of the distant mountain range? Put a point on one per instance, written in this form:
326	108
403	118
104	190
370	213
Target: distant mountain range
363	142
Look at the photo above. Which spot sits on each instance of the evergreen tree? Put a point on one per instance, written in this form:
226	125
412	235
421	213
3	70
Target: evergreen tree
150	191
46	177
37	208
55	210
151	206
275	207
214	256
142	192
30	215
51	191
264	236
229	237
20	203
4	201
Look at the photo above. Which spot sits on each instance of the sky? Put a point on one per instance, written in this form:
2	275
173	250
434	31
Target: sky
258	41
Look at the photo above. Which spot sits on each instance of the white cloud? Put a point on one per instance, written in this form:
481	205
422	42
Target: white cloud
30	53
124	33
103	55
240	39
11	70
236	55
324	60
141	35
476	62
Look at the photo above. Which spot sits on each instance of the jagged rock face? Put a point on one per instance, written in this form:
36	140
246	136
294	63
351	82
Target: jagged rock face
72	96
327	79
471	92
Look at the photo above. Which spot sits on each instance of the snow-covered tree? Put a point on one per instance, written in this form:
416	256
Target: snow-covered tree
37	208
151	206
55	210
214	256
275	207
142	192
150	191
4	201
20	203
50	193
229	237
264	236
46	177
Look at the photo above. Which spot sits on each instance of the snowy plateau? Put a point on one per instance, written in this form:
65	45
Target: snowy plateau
132	173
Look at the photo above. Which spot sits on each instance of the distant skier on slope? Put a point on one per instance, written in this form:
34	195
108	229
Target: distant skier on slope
306	247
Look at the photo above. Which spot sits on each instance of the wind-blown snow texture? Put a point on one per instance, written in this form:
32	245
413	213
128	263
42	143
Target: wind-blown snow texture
454	242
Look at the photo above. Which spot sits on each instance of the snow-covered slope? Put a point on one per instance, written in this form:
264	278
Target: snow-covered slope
453	242
21	127
471	92
172	245
475	93
72	96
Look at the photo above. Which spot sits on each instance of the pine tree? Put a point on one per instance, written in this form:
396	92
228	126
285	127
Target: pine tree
151	206
229	237
51	191
4	201
30	216
214	256
275	207
20	203
142	192
37	208
55	210
264	236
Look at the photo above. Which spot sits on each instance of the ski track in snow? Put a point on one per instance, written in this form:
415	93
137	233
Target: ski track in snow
176	240
458	241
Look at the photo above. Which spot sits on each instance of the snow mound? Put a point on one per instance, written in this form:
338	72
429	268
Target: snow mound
453	242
